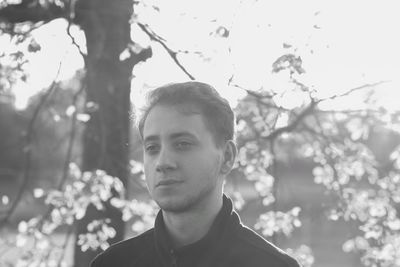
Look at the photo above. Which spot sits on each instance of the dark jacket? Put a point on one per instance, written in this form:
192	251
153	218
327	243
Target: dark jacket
228	243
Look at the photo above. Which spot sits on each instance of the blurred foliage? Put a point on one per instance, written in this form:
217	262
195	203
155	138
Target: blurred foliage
40	146
339	145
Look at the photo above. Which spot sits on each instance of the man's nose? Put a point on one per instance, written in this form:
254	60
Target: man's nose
166	161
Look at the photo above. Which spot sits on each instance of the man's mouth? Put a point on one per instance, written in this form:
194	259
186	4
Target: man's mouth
167	182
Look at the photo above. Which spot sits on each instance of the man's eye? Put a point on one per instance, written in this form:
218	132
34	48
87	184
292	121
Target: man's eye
183	145
152	149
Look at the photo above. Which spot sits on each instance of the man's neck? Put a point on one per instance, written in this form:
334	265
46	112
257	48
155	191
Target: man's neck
188	227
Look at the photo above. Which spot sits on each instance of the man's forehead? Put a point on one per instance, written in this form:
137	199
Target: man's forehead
178	110
174	121
187	108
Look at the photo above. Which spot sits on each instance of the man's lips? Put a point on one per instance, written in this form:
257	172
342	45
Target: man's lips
168	182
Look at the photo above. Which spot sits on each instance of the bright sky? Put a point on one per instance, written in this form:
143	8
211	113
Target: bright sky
343	44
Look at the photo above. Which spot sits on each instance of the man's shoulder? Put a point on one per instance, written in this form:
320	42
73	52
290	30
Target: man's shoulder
126	250
259	249
143	240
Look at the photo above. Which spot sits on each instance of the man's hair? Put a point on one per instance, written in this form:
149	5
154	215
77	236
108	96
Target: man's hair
216	111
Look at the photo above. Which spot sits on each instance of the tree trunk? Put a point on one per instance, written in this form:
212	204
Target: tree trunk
106	138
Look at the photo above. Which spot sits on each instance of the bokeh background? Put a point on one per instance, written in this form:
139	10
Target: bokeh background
314	84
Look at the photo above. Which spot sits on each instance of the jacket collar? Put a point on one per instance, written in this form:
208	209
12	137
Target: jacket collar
225	219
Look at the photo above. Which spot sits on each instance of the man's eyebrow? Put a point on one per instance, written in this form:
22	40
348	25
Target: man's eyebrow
182	134
176	135
151	138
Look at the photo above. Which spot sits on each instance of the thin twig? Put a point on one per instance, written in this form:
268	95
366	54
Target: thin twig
64	246
153	36
248	91
68	157
70	34
277	132
8	172
28	149
70	141
74	42
368	85
275	185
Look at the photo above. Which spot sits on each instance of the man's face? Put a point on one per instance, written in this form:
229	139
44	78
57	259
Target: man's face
181	161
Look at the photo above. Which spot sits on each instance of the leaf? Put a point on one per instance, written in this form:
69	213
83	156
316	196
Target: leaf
91	106
5	200
125	54
290	62
21	241
83	117
38	192
70	111
222	32
22	227
34	46
285	45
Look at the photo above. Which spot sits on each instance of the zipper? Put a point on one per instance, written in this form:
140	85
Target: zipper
173	258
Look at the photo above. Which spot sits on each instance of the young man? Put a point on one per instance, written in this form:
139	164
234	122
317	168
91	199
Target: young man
188	140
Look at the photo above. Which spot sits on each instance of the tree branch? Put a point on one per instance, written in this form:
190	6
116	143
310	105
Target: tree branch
64	246
28	150
153	36
31	11
74	41
368	85
70	142
250	92
8	172
289	128
274	174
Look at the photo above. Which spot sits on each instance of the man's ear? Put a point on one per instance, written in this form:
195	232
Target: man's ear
229	157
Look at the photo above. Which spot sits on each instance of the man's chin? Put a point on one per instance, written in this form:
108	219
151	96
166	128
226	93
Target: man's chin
173	205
